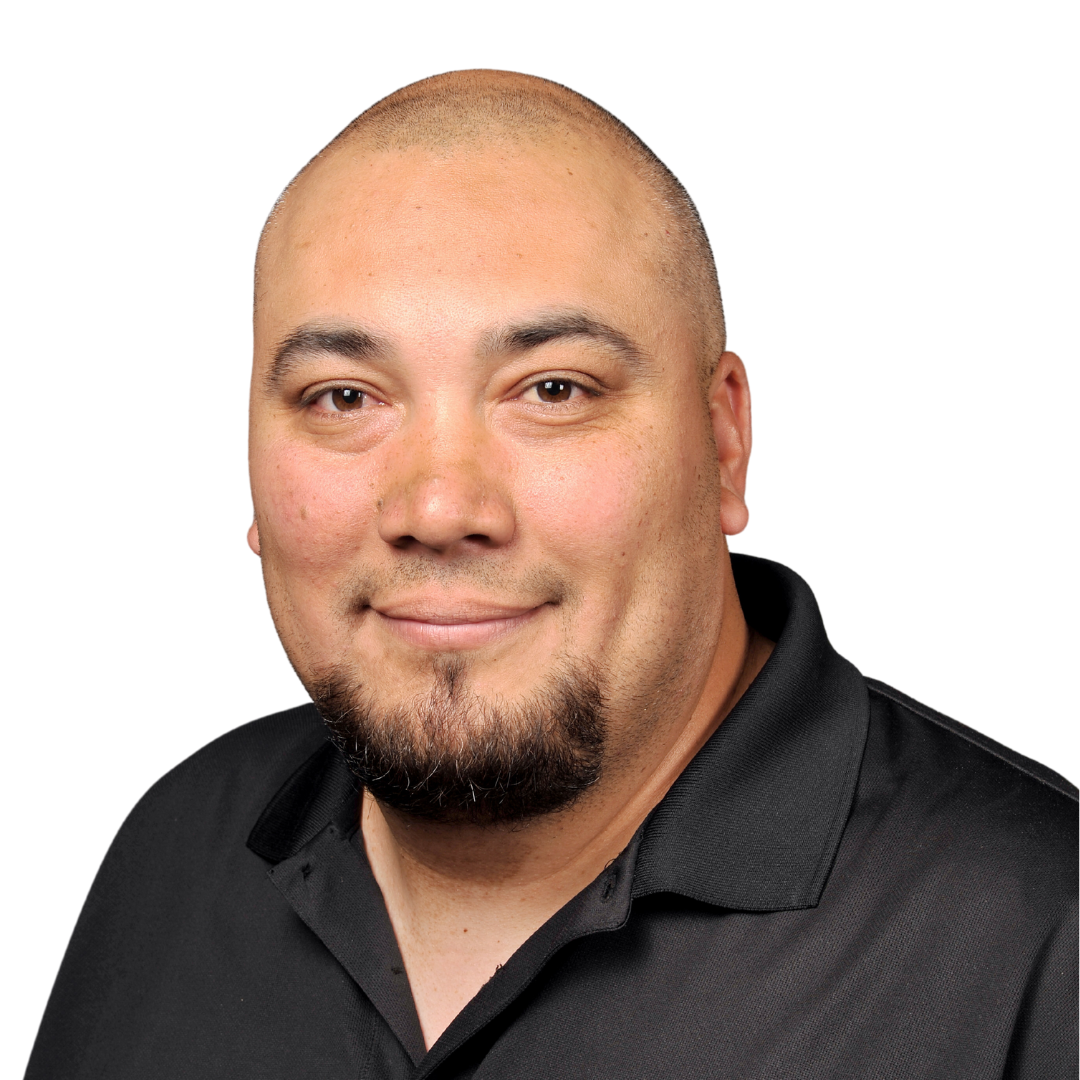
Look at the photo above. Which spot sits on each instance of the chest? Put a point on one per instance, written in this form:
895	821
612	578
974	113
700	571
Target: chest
679	990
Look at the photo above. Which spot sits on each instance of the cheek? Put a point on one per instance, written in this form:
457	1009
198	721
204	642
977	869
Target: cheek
605	509
313	507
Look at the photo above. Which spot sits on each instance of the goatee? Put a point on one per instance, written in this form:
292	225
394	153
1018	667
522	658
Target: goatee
452	756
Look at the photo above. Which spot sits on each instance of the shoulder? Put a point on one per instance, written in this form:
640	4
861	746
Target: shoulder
176	892
217	794
991	810
967	743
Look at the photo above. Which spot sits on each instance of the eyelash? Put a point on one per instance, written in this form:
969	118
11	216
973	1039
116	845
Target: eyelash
560	382
540	386
364	396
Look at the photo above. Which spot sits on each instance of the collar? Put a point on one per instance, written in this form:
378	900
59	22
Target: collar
754	821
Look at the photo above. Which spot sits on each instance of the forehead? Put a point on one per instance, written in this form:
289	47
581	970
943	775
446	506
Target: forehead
368	233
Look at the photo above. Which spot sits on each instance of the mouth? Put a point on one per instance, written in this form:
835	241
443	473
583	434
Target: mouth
463	624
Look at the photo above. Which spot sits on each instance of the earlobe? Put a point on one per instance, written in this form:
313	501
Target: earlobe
253	538
729	409
734	514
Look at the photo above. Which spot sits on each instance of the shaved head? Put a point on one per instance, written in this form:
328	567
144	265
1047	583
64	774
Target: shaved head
495	445
448	115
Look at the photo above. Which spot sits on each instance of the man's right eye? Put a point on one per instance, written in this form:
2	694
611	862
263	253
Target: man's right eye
341	399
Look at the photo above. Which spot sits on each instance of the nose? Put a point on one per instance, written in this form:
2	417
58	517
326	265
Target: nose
444	489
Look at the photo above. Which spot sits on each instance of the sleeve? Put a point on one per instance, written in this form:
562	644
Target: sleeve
1045	1036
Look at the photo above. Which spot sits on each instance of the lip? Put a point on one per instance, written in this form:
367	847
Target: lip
448	625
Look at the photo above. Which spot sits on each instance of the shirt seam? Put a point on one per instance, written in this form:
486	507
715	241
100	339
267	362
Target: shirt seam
928	715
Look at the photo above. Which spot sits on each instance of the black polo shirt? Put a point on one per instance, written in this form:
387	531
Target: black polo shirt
843	883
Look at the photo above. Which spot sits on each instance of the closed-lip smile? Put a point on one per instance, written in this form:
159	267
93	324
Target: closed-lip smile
443	624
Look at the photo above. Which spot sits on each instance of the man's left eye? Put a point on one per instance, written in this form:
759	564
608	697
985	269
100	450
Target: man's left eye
553	391
341	399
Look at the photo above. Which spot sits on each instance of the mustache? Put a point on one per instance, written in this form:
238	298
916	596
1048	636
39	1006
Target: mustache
540	584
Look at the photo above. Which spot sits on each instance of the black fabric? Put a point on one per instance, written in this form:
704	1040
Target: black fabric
748	825
843	883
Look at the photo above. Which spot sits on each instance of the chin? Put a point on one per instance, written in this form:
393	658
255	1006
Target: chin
452	754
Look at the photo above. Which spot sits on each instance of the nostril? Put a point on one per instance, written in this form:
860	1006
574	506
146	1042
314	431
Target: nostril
439	544
439	513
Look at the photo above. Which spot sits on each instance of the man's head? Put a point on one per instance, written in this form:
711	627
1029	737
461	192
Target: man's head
495	444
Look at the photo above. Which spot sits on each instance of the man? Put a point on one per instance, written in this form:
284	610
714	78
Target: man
599	800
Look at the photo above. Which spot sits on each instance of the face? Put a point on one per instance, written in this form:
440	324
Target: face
486	489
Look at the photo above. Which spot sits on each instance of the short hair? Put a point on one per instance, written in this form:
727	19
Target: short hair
463	107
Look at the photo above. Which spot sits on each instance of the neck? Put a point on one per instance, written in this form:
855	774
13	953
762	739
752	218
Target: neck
498	885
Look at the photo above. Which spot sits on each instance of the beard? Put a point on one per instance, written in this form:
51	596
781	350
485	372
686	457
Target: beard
452	756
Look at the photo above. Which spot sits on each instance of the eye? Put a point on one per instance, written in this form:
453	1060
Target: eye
553	391
341	399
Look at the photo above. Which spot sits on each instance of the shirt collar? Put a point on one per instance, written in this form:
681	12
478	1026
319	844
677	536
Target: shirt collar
754	821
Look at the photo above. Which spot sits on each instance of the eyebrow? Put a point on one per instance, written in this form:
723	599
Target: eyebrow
356	343
545	328
351	342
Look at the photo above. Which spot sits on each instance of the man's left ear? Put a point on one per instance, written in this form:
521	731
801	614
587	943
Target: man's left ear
729	408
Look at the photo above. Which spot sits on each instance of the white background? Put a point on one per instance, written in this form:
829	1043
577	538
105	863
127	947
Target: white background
890	190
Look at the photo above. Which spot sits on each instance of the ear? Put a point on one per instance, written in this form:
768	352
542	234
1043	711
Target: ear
253	538
729	408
